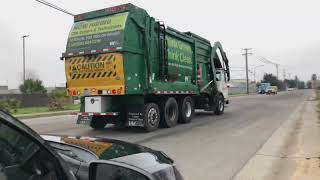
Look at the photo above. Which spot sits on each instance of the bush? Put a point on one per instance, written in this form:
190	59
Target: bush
57	100
32	86
9	105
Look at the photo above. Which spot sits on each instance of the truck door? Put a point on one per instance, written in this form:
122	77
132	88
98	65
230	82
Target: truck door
221	80
221	74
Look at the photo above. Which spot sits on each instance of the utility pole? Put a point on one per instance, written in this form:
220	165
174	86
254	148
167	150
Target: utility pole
277	67
247	75
24	57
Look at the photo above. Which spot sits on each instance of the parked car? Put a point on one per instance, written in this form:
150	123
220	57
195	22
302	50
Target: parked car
291	89
262	89
272	90
25	155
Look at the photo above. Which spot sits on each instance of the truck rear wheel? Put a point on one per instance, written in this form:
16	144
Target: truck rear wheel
219	107
98	122
151	117
186	110
170	113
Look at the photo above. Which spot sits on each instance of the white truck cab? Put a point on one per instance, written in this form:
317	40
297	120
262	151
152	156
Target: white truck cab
223	84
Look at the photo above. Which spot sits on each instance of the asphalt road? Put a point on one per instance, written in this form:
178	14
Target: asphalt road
211	147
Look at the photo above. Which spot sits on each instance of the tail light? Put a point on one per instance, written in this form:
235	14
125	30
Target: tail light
198	75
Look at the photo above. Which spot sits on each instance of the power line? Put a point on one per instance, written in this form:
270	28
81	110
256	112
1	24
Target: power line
264	60
247	74
55	7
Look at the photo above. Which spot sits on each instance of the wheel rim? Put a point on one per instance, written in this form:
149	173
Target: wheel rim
188	109
172	112
221	105
152	116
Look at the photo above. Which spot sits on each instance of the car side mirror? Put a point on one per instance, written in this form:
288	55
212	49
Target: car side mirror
111	170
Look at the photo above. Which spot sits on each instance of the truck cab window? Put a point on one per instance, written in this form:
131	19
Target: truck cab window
220	63
21	158
218	76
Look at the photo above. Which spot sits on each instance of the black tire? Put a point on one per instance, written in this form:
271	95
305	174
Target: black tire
98	122
170	111
186	110
219	106
119	124
151	117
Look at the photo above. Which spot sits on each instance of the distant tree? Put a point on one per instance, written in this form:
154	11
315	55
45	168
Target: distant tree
314	77
32	86
270	78
309	85
274	81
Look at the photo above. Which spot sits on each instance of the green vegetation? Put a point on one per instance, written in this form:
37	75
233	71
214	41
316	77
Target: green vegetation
32	86
43	109
57	100
9	105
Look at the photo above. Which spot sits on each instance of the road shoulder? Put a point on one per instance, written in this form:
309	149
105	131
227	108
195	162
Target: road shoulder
292	152
45	114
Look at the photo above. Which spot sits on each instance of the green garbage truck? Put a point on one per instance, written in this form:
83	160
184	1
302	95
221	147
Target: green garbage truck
131	70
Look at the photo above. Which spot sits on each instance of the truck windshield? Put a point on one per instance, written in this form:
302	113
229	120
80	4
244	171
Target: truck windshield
97	34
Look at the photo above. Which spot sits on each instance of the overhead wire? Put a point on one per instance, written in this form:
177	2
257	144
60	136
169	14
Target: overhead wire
55	7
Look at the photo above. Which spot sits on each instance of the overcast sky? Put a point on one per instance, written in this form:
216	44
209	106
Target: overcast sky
283	31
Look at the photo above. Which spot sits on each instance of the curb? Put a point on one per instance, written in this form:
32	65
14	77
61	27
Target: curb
47	114
237	95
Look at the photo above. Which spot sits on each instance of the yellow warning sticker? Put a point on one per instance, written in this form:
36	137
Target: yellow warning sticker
103	72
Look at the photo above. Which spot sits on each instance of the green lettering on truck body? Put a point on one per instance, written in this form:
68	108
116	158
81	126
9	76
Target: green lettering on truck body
96	34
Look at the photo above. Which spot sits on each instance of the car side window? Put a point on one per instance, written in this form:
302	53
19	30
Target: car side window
21	158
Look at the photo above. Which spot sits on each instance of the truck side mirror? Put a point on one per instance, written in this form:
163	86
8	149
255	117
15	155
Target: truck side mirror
111	170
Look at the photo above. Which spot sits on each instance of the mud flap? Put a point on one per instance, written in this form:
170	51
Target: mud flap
135	116
84	119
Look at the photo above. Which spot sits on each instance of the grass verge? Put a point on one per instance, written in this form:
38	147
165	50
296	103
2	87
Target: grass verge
31	110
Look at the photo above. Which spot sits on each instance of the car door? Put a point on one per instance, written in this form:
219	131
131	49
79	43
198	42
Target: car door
24	154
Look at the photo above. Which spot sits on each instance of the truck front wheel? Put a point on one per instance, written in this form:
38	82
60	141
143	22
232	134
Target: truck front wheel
186	110
219	105
170	113
151	117
98	122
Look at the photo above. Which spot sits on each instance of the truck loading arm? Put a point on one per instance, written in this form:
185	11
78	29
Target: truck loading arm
145	30
217	45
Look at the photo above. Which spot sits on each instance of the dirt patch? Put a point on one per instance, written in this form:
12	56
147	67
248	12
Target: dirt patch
286	160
